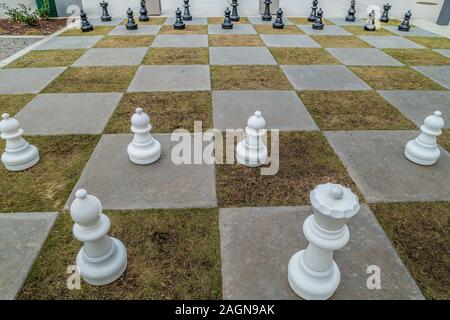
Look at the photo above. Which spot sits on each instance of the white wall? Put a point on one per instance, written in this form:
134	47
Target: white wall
13	3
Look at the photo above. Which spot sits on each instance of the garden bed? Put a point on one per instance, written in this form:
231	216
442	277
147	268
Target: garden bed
44	27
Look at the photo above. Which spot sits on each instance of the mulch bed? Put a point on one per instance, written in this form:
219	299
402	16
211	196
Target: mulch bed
45	27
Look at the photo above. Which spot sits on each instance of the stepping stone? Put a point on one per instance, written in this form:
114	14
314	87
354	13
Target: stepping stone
323	77
171	78
259	21
394	42
111	57
439	74
417	104
194	21
375	161
21	237
413	32
68	113
363	57
342	22
281	109
240	56
27	80
444	52
99	22
162	184
237	29
328	30
75	42
142	30
289	40
257	244
181	41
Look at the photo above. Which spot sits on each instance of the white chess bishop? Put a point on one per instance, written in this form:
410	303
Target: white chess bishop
19	154
252	151
424	150
144	149
102	259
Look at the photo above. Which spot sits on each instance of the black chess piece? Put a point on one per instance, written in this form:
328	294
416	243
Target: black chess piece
131	24
385	16
227	24
143	13
312	16
278	24
179	23
318	23
351	12
105	14
267	16
234	12
85	24
370	25
404	26
186	15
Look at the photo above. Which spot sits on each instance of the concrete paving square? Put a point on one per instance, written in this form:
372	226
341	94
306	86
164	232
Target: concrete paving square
342	22
237	29
257	244
171	78
142	30
440	74
27	80
194	21
444	52
328	30
259	21
323	77
417	104
281	109
375	161
394	42
74	42
181	41
413	32
68	113
289	40
363	57
111	57
161	184
21	237
240	56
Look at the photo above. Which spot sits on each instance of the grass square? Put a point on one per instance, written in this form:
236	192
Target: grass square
168	111
190	29
419	232
353	110
93	79
249	78
172	254
306	159
432	42
359	31
47	58
152	21
13	103
177	56
418	57
98	31
302	56
392	22
395	78
239	40
47	185
341	42
268	29
444	139
219	20
125	42
304	20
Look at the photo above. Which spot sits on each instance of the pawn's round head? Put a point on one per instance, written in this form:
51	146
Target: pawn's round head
85	210
140	118
336	192
8	124
256	121
434	121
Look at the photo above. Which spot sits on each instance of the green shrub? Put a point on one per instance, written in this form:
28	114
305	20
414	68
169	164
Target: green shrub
44	9
21	14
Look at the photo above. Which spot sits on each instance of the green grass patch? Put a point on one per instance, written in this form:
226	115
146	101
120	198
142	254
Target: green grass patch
432	42
47	185
13	103
124	42
219	20
268	29
341	42
47	58
359	31
168	111
98	31
303	56
304	20
239	40
172	254
419	232
418	57
152	21
444	139
177	56
189	29
395	78
392	22
353	110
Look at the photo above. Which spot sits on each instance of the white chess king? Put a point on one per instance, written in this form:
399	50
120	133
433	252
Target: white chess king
144	149
424	150
252	151
102	259
19	154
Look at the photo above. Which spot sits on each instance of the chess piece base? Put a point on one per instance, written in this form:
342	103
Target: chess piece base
369	28
18	161
187	18
317	27
311	19
266	18
384	19
402	28
87	29
132	27
278	26
235	18
179	27
144	19
418	154
106	19
144	155
350	18
227	26
249	158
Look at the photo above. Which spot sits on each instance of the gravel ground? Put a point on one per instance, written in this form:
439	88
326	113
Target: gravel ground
9	46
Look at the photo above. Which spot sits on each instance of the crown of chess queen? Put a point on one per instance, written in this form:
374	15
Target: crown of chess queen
252	151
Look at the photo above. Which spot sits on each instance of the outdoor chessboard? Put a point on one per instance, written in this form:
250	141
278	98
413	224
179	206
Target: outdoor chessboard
346	102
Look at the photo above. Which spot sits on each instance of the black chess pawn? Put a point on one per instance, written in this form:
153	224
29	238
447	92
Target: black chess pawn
313	14
351	12
186	15
179	23
143	13
318	23
227	24
267	16
278	24
385	16
105	14
404	26
370	24
85	24
131	24
234	12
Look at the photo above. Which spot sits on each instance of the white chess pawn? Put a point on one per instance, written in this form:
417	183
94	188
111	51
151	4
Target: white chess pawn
19	154
312	273
252	151
144	149
424	150
102	259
